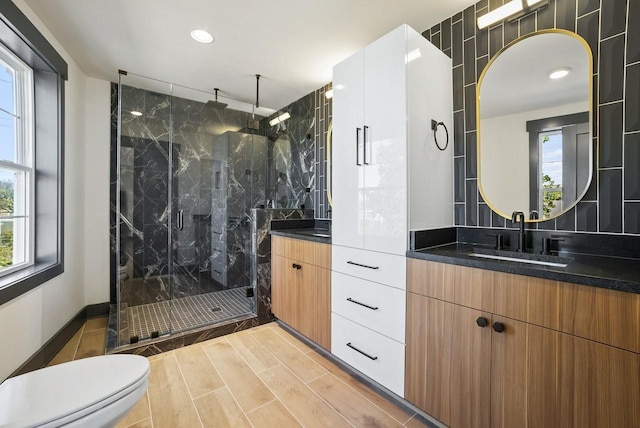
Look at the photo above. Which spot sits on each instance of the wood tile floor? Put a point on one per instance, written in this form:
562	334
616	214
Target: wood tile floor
263	377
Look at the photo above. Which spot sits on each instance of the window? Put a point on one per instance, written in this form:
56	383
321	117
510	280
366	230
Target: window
16	163
550	181
32	81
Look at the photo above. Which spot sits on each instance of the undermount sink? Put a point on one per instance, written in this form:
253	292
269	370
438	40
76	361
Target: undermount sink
527	258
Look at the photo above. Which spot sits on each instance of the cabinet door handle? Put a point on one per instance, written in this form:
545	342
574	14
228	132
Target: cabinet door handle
296	266
361	265
364	144
498	327
373	308
358	146
361	352
482	322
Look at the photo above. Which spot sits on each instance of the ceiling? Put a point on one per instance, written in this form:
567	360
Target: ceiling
293	44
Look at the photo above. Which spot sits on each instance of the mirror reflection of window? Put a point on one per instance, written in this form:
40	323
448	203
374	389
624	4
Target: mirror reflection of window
550	179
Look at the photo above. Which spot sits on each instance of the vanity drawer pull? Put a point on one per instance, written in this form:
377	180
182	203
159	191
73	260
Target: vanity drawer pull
361	352
373	308
296	266
364	266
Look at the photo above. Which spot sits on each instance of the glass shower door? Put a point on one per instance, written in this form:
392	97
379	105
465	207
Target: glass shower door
213	182
144	215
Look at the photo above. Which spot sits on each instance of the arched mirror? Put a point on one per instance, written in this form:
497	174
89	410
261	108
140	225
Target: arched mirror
535	149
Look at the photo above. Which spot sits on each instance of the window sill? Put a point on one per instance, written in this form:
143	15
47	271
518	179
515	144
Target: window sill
17	283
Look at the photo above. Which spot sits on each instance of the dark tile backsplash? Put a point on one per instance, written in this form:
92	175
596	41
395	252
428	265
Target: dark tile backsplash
615	43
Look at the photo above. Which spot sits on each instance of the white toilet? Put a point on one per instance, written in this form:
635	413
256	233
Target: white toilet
92	392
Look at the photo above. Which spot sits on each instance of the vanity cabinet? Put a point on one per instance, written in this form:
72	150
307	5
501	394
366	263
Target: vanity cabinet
530	353
385	162
301	287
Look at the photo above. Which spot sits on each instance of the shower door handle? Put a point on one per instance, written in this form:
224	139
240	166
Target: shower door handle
180	219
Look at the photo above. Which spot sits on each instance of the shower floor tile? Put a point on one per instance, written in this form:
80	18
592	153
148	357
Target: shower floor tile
187	312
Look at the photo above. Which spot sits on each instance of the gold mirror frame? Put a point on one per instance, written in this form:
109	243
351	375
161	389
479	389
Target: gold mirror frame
591	139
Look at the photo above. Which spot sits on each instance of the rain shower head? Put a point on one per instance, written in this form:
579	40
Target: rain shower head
216	104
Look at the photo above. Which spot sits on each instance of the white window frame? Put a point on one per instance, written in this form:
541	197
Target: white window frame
24	191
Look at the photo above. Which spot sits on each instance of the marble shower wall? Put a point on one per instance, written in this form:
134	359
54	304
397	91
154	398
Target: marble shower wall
298	154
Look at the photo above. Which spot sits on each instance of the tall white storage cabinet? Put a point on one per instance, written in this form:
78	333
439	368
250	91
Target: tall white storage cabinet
388	178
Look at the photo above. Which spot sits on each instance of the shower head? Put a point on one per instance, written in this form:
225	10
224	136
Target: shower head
216	104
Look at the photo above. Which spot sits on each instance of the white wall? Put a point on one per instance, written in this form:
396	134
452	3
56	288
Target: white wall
96	210
504	157
27	322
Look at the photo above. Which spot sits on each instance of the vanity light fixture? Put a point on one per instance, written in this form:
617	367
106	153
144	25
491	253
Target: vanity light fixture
329	94
284	116
136	113
202	36
511	10
559	73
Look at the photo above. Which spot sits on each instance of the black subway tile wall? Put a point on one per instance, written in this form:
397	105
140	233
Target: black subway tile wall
632	98
612	202
612	69
633	34
611	135
632	167
323	109
587	6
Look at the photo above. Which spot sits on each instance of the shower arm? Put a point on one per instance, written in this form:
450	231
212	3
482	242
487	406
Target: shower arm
257	91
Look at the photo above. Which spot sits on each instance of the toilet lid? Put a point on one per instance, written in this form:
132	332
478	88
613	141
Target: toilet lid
55	392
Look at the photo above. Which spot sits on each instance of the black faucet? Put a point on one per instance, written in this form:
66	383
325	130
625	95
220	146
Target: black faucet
518	217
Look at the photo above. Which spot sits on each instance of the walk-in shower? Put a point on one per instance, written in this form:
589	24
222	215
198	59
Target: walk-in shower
188	173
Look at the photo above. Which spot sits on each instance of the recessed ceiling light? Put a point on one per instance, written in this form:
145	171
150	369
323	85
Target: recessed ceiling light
136	113
202	36
559	73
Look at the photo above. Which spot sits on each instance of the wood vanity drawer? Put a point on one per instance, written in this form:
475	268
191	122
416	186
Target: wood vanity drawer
315	253
375	355
388	269
379	307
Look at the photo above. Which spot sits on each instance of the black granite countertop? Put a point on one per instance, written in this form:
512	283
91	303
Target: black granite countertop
614	273
322	236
